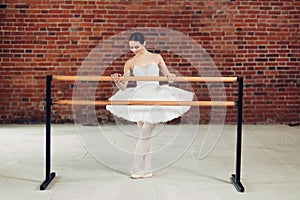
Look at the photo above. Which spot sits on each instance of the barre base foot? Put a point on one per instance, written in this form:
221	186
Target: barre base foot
47	181
237	184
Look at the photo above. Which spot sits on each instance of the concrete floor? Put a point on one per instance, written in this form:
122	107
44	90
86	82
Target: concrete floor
270	167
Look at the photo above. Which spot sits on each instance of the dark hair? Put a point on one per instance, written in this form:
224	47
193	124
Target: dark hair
137	36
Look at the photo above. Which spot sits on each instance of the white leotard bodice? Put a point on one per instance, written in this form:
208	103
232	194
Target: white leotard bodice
146	70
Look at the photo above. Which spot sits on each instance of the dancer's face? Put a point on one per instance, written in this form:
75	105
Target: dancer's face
136	47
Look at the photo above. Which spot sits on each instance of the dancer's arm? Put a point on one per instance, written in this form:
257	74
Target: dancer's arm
164	69
116	77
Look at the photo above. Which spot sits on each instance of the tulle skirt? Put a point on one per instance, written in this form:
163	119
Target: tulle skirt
151	114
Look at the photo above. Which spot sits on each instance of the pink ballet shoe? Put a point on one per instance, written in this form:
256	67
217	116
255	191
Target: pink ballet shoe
140	175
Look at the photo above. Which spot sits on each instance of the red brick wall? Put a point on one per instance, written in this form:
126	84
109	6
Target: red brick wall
259	40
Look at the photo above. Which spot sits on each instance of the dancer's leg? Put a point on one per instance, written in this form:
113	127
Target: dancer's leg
140	125
148	157
143	147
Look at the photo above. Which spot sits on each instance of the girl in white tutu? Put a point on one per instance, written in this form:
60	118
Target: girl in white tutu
145	63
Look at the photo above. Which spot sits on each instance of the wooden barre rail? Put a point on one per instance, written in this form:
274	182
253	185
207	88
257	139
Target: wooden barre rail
153	103
146	78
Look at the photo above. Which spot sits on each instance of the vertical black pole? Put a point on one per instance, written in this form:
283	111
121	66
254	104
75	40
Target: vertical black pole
48	126
236	177
49	176
239	130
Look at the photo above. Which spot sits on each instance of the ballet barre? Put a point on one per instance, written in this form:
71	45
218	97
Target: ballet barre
146	103
235	178
147	78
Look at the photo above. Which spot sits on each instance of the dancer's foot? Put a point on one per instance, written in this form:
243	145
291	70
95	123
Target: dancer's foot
140	174
147	175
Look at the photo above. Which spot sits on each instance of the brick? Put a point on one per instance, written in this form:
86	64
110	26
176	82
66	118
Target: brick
3	6
22	6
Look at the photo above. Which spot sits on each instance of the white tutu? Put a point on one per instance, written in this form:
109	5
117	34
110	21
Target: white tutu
148	91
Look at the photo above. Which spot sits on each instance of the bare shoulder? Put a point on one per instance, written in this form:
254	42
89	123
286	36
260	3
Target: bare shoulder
129	64
157	57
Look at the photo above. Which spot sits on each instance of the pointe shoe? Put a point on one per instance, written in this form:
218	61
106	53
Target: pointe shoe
141	175
147	175
135	174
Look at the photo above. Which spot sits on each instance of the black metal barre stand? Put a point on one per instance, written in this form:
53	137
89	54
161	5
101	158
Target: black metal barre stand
49	175
235	178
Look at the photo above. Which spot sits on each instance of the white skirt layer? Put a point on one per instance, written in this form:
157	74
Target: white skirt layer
151	114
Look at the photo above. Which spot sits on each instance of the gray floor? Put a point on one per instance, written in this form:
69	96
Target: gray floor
270	168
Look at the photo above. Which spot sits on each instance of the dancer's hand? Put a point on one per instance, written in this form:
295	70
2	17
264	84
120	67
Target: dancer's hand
171	78
116	77
120	84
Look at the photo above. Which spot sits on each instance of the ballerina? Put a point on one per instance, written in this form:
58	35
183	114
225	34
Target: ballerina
145	63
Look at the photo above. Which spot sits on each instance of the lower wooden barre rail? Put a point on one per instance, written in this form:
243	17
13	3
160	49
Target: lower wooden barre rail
146	78
153	103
